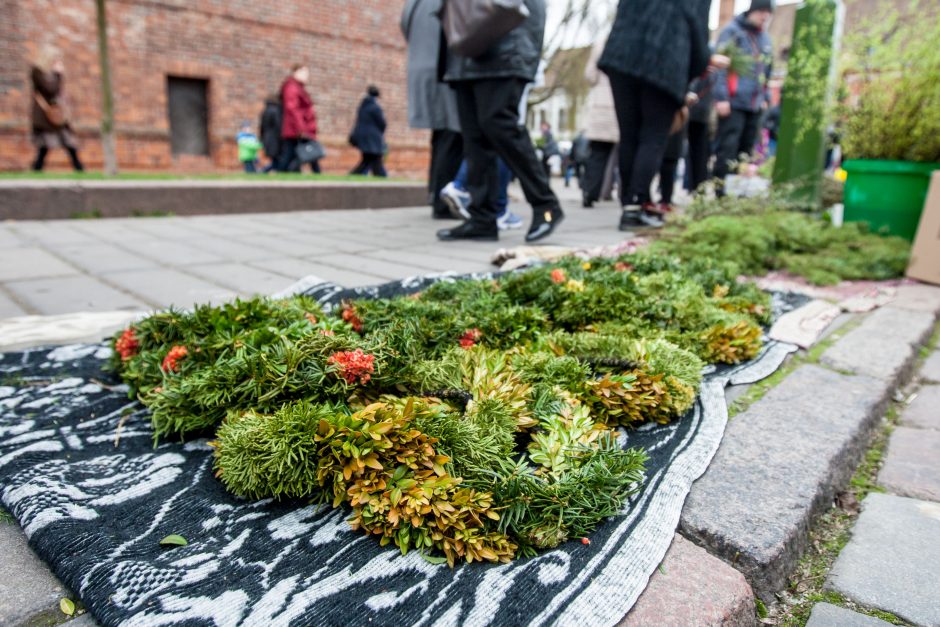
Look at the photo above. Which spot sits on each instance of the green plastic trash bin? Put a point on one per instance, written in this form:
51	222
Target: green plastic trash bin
888	195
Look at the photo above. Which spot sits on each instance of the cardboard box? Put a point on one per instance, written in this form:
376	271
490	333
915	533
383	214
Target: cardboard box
925	256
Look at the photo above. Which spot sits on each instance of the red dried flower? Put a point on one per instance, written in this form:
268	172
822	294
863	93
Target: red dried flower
350	316
171	361
623	267
312	319
585	540
558	276
353	365
327	332
470	337
127	345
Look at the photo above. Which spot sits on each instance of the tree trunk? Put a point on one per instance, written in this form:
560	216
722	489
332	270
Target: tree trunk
107	101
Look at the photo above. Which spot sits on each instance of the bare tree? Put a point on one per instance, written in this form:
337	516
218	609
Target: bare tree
107	100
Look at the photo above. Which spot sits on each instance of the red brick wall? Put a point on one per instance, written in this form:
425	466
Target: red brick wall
243	47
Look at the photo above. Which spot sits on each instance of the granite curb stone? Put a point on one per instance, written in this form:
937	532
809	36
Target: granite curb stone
912	465
828	615
884	345
918	297
29	592
893	544
924	410
780	464
692	587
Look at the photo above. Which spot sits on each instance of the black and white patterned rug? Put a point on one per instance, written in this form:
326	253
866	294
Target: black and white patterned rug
79	472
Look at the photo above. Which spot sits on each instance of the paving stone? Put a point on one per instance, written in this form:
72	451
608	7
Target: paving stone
885	345
891	561
28	589
779	465
9	308
930	371
29	262
300	268
387	269
171	253
104	258
918	298
73	294
693	588
163	287
912	465
924	410
828	615
85	620
245	280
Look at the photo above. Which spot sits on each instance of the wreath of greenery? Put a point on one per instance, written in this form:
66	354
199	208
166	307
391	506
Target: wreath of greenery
475	420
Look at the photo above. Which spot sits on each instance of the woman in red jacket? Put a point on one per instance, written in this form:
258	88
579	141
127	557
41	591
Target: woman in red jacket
300	121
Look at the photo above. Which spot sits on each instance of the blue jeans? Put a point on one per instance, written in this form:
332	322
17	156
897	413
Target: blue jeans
505	178
250	166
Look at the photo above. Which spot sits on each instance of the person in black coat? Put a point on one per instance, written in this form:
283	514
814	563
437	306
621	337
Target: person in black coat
654	50
369	135
489	88
269	129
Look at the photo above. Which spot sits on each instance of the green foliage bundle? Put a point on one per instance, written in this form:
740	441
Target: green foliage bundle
475	419
794	242
894	65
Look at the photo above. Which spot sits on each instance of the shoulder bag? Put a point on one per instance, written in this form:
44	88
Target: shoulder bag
471	27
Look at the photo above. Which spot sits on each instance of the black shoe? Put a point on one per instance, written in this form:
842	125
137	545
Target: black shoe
469	231
543	223
587	203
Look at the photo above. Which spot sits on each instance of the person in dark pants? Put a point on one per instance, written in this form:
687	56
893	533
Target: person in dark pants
489	89
654	50
602	131
51	127
269	129
667	170
431	103
368	135
741	98
698	132
300	120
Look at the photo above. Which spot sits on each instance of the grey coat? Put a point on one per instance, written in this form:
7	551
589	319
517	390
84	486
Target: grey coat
516	55
431	103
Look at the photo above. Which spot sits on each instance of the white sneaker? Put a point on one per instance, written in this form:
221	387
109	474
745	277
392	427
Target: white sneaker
457	201
507	220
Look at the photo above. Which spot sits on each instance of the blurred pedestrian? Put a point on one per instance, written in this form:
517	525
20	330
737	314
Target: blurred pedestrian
668	168
300	120
549	148
269	129
368	135
489	90
248	147
654	50
699	131
457	198
576	159
602	132
742	94
49	114
431	103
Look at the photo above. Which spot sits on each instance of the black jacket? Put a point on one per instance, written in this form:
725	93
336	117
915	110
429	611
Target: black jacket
516	55
663	43
270	128
369	133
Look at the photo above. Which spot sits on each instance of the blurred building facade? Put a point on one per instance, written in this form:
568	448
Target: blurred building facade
185	73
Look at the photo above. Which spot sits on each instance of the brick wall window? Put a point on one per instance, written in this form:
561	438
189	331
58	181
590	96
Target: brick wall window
188	104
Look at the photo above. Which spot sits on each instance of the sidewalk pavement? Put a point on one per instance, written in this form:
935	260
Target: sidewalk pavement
139	264
892	562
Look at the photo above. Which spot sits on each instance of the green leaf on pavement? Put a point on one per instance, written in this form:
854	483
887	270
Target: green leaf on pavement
67	607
